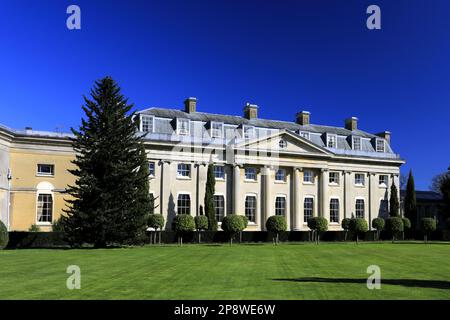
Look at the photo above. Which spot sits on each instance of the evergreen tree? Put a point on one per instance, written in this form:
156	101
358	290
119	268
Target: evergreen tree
445	191
410	205
209	198
394	205
110	199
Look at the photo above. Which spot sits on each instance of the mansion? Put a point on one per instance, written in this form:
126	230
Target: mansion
262	168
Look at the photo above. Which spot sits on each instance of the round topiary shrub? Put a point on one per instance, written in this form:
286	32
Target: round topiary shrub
276	224
378	224
201	222
244	224
318	224
4	237
156	221
358	226
232	224
395	226
346	226
427	225
182	224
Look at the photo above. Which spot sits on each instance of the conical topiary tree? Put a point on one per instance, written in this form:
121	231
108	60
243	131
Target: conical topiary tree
209	198
4	236
394	204
410	204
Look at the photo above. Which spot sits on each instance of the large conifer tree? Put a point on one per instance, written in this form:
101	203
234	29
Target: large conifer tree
110	198
410	205
209	198
394	204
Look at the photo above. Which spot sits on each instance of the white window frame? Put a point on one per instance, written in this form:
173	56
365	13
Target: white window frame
188	165
284	209
245	174
142	123
213	131
284	175
354	144
304	176
256	206
338	209
244	132
223	171
359	184
190	202
364	207
224	205
304	135
382	184
154	169
329	135
183	133
305	221
334	183
376	145
48	193
45	174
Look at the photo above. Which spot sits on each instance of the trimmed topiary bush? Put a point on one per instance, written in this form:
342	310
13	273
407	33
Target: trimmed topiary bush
395	226
406	226
182	224
4	237
232	224
318	224
346	226
245	225
378	224
276	224
358	225
156	221
427	225
201	224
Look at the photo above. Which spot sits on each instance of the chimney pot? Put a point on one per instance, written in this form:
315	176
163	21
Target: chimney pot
190	105
250	111
351	123
302	118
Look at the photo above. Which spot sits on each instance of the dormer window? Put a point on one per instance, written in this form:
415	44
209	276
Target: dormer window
216	129
147	123
379	144
356	143
248	132
331	140
304	134
183	127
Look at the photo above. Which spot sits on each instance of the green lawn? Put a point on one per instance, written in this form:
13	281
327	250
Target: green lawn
288	271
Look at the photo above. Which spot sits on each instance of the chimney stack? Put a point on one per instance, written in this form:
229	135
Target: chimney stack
190	105
302	118
251	111
386	135
351	123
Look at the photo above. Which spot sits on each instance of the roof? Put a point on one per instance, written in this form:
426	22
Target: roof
263	123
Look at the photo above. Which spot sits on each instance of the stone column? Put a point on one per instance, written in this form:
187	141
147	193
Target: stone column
236	184
268	210
324	212
297	215
348	200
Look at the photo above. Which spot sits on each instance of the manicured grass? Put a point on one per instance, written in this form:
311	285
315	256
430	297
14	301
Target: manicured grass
253	271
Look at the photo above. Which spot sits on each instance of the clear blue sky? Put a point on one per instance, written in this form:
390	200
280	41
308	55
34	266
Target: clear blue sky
285	56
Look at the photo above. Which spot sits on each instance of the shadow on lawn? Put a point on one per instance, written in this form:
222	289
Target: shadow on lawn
436	284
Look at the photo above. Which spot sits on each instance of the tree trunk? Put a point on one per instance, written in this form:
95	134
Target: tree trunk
425	238
277	239
231	240
345	235
160	237
199	236
181	241
317	237
240	237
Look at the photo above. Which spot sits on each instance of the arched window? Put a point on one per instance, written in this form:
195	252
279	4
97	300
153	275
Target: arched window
184	204
219	207
334	210
359	208
250	208
308	206
280	206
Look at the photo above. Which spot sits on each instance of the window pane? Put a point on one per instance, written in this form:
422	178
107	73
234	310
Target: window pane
250	173
46	169
280	206
250	208
359	208
151	168
45	208
147	124
184	170
280	175
219	172
184	204
307	176
219	207
334	210
308	209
